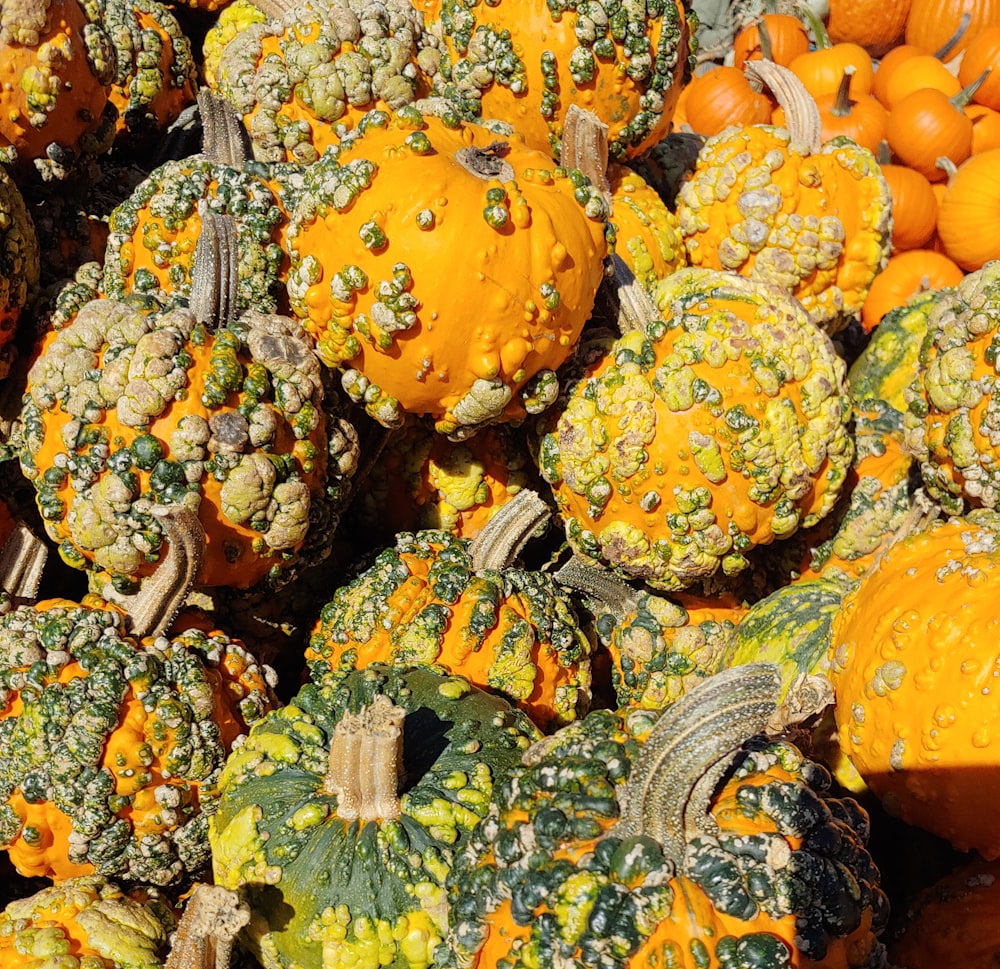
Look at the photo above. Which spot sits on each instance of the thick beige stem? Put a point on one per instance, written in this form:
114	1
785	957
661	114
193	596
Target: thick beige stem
22	561
584	146
500	541
215	277
802	117
366	762
213	917
224	139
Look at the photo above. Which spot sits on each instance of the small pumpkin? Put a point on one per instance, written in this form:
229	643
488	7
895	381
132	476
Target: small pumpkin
822	67
983	54
914	204
917	73
434	598
966	224
876	25
342	813
378	219
907	275
933	23
721	97
778	37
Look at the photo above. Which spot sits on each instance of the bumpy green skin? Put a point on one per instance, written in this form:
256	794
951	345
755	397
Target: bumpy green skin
891	360
370	890
123	931
20	259
953	415
570	795
54	747
451	609
337	57
658	654
124	364
485	56
646	456
161	216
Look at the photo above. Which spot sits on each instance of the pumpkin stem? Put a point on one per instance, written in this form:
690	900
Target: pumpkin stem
225	139
584	146
949	45
215	276
947	166
22	561
883	154
694	743
613	593
964	96
802	117
501	539
162	594
766	47
842	103
624	299
816	26
213	917
366	762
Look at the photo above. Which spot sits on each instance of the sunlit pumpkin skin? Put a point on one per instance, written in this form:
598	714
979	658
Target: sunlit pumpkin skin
132	404
646	233
815	223
876	25
423	480
967	214
325	892
914	207
113	748
546	881
302	81
58	67
922	71
90	919
513	631
890	360
20	256
926	125
721	97
905	277
822	68
786	38
985	127
720	429
982	53
154	232
157	74
525	62
914	657
953	401
932	23
477	344
951	924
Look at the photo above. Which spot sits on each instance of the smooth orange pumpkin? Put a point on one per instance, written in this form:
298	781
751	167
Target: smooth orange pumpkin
985	127
927	125
983	53
861	119
932	23
821	69
783	38
876	25
914	206
888	65
723	97
917	72
969	214
905	275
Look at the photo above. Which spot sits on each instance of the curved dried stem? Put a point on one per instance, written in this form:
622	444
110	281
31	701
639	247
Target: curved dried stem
584	146
694	743
802	117
501	539
163	594
613	593
224	137
22	561
207	930
625	299
215	277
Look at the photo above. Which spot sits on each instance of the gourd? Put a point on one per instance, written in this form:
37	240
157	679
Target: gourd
715	428
434	598
115	734
773	204
913	663
20	260
952	400
342	813
609	847
375	223
87	921
526	63
135	404
304	77
60	63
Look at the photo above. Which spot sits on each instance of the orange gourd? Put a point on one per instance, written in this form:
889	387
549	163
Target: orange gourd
876	25
723	97
983	54
918	72
932	23
906	275
969	214
861	119
782	39
927	125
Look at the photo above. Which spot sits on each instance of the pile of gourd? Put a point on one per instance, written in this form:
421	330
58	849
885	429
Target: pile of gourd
593	569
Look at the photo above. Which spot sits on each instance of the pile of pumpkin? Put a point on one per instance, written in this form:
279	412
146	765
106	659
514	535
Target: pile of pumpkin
486	484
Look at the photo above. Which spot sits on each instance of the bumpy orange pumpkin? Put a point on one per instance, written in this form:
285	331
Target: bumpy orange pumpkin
772	204
523	243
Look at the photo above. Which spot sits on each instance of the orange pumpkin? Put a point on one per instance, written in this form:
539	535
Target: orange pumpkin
917	73
983	54
906	275
876	25
968	221
888	65
722	97
914	205
822	68
933	23
927	125
782	39
985	127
